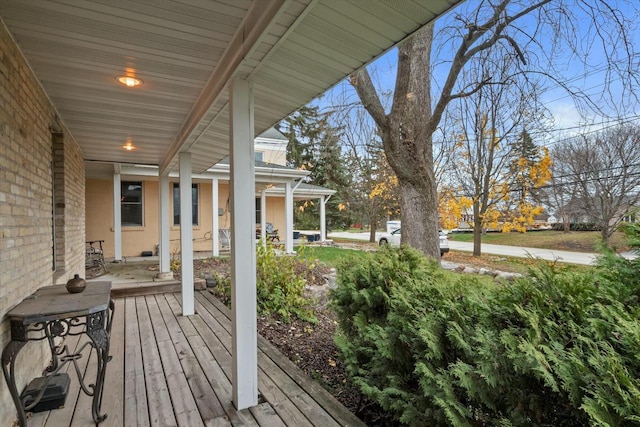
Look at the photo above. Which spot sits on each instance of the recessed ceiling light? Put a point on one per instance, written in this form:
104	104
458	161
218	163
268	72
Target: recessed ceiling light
128	146
129	81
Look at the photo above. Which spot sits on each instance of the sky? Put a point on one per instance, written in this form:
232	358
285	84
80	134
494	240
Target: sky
586	73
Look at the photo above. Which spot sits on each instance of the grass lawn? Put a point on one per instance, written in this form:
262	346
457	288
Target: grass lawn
576	241
331	256
579	241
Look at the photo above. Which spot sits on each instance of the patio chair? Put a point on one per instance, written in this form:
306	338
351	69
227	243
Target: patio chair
94	257
271	233
225	238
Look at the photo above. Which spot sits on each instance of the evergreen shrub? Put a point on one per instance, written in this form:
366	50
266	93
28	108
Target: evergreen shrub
578	226
434	348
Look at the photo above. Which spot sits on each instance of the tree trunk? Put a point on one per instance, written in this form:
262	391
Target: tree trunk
406	134
373	222
477	230
419	219
606	232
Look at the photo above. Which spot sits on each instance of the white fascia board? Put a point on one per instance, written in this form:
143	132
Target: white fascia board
279	192
221	172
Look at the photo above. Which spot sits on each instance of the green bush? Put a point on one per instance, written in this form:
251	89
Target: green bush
280	289
222	288
280	284
578	226
434	348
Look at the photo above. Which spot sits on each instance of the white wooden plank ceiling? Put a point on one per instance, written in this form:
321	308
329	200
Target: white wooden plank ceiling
78	47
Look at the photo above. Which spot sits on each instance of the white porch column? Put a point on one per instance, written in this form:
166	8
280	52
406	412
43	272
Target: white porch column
117	214
243	251
215	220
263	216
164	228
323	220
186	235
288	214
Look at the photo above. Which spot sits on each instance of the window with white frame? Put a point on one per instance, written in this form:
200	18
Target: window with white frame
131	203
176	204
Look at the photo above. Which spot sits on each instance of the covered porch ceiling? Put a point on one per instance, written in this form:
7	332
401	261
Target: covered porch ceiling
185	52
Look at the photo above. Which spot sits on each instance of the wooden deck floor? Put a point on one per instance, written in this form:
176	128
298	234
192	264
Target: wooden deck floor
169	370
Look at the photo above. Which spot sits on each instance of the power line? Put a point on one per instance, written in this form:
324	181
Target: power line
608	169
613	123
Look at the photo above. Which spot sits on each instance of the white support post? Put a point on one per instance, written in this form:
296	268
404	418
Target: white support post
288	214
243	251
117	215
323	220
186	235
164	225
215	220
263	216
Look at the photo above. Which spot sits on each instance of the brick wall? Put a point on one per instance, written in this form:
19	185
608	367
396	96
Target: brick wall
26	202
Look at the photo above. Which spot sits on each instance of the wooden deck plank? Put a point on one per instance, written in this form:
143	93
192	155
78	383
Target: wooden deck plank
185	325
184	404
269	389
214	324
219	422
136	410
212	356
203	401
206	348
266	415
114	380
205	397
329	403
158	398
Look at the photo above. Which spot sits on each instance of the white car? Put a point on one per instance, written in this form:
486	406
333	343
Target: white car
393	239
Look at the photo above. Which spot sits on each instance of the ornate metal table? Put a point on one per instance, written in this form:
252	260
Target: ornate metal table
49	313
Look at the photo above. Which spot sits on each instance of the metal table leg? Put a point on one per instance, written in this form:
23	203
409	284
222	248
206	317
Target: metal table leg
9	355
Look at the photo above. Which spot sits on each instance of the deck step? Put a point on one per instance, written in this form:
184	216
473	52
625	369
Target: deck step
136	289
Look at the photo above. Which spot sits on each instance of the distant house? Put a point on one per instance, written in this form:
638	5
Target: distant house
467	217
576	211
210	194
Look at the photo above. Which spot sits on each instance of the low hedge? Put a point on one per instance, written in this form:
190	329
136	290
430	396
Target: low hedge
578	226
435	348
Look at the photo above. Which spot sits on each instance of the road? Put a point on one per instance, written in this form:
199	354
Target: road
523	252
515	251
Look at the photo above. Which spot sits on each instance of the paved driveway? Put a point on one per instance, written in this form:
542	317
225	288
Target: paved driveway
515	251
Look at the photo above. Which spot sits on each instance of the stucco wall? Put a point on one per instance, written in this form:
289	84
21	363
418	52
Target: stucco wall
99	217
31	159
275	215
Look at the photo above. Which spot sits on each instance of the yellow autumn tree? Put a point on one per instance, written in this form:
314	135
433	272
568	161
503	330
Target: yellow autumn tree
482	153
384	191
489	169
451	207
531	169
